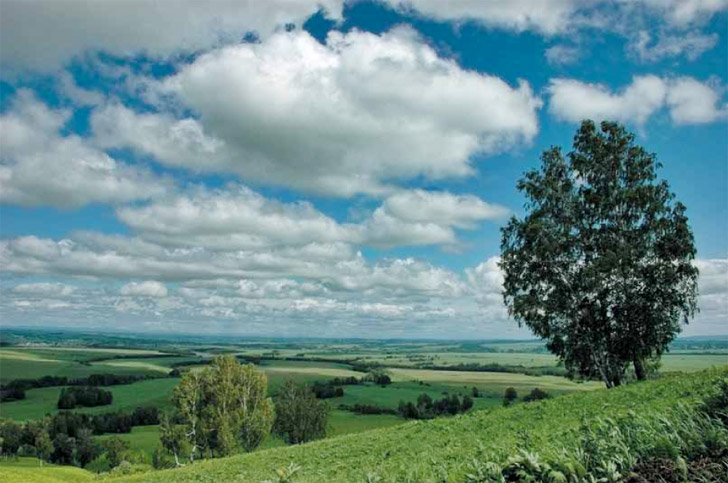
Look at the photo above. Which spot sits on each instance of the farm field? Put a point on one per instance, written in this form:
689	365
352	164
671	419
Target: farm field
39	402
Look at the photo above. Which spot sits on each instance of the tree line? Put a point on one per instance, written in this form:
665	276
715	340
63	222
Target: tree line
83	396
15	389
67	438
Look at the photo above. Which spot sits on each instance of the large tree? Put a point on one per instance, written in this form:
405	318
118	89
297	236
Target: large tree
224	407
601	264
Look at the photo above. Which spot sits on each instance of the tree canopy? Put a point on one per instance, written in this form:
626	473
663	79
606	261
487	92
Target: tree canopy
300	417
223	408
601	264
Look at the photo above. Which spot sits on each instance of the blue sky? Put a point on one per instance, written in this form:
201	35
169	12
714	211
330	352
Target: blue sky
329	168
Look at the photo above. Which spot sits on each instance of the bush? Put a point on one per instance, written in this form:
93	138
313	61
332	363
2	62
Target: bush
509	396
13	394
536	394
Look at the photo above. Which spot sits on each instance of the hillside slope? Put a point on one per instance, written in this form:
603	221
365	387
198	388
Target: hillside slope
445	449
450	449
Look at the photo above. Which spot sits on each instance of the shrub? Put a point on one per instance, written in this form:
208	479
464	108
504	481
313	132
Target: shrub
536	394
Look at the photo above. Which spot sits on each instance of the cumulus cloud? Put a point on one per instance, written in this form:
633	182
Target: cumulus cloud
442	208
692	102
350	116
239	218
688	100
45	34
148	288
39	165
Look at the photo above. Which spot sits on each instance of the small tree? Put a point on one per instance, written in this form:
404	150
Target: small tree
173	438
63	449
601	265
509	396
43	447
86	448
300	417
223	407
115	448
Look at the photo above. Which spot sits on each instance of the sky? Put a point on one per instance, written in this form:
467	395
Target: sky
327	168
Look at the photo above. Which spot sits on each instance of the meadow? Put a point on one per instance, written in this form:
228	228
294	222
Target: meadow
455	449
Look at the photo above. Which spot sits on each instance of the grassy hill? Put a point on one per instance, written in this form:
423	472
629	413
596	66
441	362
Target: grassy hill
610	427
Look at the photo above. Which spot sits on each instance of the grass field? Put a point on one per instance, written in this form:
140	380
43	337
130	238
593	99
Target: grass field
39	402
27	470
444	449
33	369
146	438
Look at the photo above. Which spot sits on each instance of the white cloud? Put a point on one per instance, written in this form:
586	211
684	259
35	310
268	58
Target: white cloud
690	44
548	17
442	208
45	34
692	102
573	100
44	289
688	100
683	13
148	288
347	117
78	95
237	218
39	165
561	54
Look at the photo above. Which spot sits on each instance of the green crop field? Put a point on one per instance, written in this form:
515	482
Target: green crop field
446	448
39	402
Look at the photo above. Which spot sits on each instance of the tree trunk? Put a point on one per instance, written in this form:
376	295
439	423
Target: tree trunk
639	369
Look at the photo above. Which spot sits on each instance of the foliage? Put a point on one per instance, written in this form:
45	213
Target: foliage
299	416
536	394
510	395
222	408
85	396
601	266
115	448
326	391
427	408
12	394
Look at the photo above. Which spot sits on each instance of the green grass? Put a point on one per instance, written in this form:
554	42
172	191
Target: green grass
39	402
145	439
142	438
33	369
425	450
27	470
692	362
345	422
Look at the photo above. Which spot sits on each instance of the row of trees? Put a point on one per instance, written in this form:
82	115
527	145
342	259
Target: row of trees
427	408
67	438
92	380
83	396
